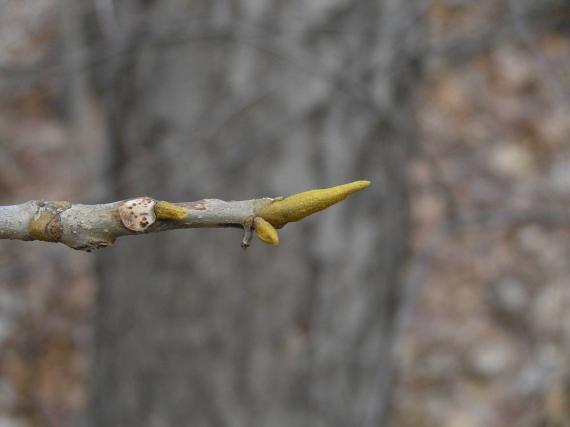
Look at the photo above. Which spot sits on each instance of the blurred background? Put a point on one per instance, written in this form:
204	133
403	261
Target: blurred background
438	297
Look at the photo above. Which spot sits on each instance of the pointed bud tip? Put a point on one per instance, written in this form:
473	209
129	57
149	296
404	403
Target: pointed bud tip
301	205
353	187
359	185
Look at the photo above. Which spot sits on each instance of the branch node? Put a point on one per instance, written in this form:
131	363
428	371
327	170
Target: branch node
138	214
46	224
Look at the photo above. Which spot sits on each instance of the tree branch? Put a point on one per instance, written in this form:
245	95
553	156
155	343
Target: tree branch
88	227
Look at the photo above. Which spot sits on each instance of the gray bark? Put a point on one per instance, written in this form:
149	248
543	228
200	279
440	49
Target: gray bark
89	227
237	99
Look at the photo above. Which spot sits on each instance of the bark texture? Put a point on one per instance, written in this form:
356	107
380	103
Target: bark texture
236	99
88	227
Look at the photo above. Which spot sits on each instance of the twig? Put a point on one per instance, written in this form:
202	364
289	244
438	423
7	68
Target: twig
88	227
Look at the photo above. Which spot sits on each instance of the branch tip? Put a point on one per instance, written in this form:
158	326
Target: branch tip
300	205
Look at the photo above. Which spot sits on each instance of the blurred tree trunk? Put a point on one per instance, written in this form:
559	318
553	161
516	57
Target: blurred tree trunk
242	99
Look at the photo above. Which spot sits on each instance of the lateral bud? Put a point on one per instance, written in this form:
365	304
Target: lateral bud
265	231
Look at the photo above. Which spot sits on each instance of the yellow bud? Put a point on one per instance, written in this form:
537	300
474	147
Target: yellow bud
167	210
265	231
298	206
